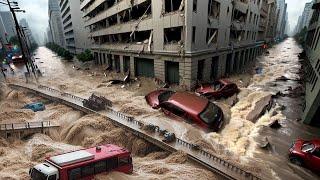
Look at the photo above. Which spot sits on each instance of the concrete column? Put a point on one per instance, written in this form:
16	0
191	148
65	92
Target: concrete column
222	65
99	59
159	69
121	64
207	70
188	72
132	67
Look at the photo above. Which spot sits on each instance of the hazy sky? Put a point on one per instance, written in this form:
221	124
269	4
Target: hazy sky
37	13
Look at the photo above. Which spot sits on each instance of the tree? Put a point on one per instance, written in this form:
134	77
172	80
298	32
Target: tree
85	56
301	36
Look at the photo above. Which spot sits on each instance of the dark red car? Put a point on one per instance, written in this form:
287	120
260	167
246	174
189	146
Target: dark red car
306	153
187	106
218	89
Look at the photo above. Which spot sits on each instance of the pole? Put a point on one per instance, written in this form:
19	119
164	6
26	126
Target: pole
19	38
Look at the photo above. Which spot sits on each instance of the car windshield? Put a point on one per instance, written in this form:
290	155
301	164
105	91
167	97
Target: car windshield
37	175
307	147
217	85
165	96
210	114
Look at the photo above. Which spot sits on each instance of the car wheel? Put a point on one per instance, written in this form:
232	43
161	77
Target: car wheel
295	160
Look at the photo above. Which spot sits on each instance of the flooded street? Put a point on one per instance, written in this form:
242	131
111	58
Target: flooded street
238	141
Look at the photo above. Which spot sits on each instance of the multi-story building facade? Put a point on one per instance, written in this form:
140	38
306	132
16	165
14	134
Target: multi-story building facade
272	20
7	26
312	69
76	36
176	41
28	33
282	11
55	23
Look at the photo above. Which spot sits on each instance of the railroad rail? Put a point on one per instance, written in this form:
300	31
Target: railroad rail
25	129
225	169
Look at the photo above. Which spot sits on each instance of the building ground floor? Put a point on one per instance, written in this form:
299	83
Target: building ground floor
182	70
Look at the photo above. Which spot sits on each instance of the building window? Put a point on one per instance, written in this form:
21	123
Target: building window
193	34
195	2
212	36
214	9
173	5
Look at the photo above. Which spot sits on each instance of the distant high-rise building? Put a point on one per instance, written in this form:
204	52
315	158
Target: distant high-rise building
7	26
55	23
23	23
282	11
75	33
305	18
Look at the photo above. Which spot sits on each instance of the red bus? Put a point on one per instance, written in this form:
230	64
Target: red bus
83	164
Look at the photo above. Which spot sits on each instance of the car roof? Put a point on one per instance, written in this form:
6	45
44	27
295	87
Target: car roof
316	142
189	102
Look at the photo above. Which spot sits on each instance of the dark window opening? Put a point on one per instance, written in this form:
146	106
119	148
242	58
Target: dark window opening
173	5
112	20
236	35
141	9
212	36
193	34
200	70
173	35
214	9
239	16
195	3
140	36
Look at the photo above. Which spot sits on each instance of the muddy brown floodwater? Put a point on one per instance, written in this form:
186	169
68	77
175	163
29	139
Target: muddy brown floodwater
238	141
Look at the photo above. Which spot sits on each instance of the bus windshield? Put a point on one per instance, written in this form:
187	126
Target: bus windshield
37	175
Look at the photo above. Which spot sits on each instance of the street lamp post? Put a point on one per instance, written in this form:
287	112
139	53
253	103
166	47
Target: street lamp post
12	10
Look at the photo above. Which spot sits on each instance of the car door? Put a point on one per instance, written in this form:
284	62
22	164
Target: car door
172	110
315	159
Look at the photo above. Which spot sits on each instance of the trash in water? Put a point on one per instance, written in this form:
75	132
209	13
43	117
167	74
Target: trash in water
258	70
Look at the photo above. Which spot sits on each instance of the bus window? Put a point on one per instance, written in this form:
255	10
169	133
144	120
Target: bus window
112	163
100	167
75	174
124	161
53	177
87	170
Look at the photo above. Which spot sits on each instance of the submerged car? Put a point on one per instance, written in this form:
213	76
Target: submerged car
306	153
218	89
187	106
38	106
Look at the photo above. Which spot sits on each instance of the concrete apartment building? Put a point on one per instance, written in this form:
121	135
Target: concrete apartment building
306	15
177	41
7	25
281	25
76	36
271	27
311	112
55	23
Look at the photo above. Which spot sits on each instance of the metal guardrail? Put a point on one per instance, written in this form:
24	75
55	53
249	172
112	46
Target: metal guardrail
27	125
193	147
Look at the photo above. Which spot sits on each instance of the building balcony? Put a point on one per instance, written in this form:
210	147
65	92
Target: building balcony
115	9
84	3
139	47
90	7
145	24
